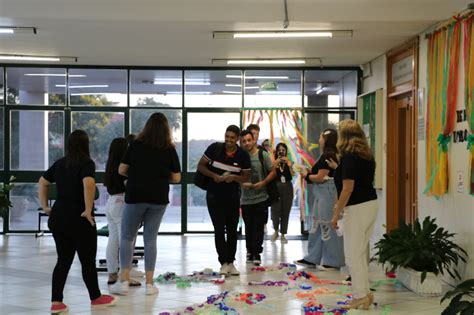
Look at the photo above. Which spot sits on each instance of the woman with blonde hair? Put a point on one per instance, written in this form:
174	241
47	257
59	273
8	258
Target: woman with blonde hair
357	200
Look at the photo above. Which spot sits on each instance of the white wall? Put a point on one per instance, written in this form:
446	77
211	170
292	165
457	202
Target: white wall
455	210
370	84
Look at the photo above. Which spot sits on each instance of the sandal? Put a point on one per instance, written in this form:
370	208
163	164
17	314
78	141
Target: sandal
112	278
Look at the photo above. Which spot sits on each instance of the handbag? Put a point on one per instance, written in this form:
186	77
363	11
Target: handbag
202	181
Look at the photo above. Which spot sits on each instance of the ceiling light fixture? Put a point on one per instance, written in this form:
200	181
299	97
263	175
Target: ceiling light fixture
267	61
320	90
53	75
159	82
36	58
84	86
17	30
283	34
263	77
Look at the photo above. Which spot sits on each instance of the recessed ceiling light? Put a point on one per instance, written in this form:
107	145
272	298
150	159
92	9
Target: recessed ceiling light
84	86
10	57
267	61
17	30
53	75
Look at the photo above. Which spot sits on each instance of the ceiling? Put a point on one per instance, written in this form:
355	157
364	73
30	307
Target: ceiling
179	32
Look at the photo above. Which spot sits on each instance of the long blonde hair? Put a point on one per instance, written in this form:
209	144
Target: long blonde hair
352	140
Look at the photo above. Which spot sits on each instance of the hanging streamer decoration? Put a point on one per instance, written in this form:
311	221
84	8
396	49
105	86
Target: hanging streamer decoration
443	62
469	92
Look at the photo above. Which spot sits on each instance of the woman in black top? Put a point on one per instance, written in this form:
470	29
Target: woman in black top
357	200
115	184
281	208
325	247
71	219
150	163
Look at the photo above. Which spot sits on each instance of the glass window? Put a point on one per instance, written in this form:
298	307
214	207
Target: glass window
36	139
98	87
24	213
172	219
205	129
138	118
330	88
36	86
213	88
102	128
198	215
159	88
2	137
272	88
1	86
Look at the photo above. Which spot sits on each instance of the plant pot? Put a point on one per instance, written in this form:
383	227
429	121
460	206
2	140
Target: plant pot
412	280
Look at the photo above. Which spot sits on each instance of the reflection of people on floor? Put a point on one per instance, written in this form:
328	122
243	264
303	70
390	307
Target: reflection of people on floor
281	208
227	165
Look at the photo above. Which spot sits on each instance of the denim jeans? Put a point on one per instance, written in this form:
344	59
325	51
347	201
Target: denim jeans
133	215
324	245
114	212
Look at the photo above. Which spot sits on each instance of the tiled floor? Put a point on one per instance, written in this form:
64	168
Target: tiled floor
26	264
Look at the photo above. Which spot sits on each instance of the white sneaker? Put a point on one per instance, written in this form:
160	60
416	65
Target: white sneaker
119	287
274	237
232	270
224	269
151	289
283	239
265	229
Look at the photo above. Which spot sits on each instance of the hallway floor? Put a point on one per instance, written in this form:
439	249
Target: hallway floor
26	265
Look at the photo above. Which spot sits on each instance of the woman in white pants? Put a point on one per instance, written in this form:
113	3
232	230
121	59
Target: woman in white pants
357	200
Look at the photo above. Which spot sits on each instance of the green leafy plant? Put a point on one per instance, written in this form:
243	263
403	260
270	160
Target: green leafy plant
458	306
424	248
5	202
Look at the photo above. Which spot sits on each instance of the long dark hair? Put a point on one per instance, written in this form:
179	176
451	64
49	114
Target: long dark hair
281	144
156	132
330	143
77	149
117	149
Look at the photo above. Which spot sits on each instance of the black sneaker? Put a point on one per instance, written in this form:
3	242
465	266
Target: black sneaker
305	263
257	260
249	258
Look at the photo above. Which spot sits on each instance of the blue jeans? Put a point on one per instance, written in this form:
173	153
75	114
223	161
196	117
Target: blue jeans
133	215
328	250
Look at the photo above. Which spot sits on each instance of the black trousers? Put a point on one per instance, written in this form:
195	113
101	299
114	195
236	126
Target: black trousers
225	218
71	236
255	216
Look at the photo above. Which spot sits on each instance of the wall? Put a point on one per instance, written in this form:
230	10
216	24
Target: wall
455	210
370	84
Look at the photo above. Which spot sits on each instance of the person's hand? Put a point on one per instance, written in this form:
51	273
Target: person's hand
331	163
218	178
247	185
258	186
47	210
89	217
276	163
304	173
228	178
334	222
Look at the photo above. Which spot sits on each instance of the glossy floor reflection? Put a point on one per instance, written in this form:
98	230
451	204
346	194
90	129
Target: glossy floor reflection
26	264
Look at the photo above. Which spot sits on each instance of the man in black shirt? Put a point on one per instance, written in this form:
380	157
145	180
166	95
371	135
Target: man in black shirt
227	165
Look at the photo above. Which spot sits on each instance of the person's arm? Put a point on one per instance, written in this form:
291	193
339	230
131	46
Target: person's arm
123	169
175	178
317	178
242	178
202	167
266	180
347	189
43	189
89	194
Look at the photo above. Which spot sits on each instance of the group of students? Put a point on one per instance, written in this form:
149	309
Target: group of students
137	178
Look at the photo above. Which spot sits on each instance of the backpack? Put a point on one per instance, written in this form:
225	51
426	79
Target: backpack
202	181
272	189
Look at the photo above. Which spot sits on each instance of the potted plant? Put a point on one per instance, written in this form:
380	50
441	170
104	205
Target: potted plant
420	252
5	202
458	306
